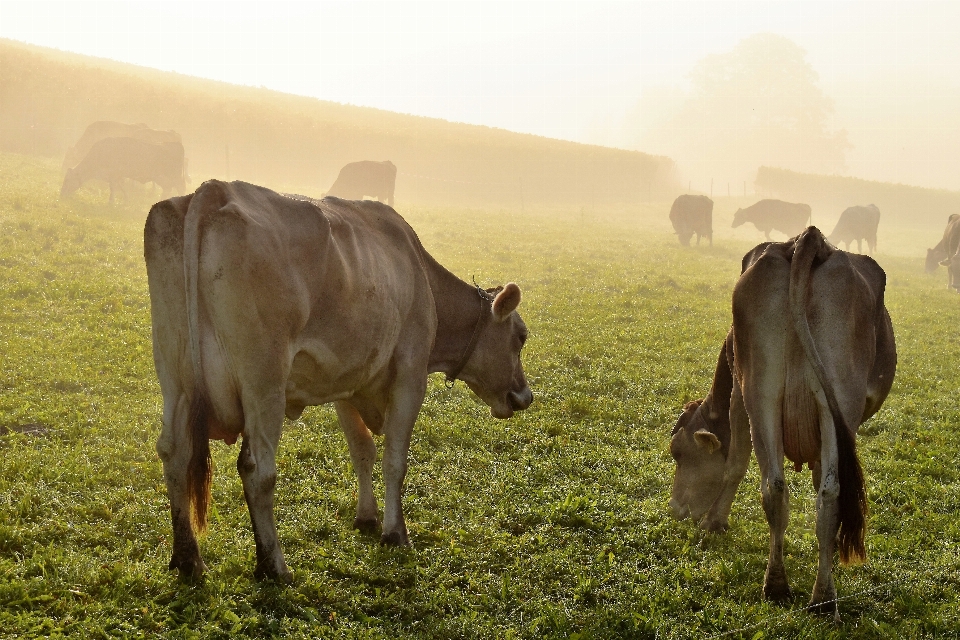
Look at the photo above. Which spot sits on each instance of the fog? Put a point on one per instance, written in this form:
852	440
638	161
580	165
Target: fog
864	89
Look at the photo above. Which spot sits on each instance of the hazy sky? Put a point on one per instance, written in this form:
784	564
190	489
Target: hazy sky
561	69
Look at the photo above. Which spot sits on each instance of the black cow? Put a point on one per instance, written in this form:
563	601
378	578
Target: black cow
114	159
857	223
366	178
768	215
692	215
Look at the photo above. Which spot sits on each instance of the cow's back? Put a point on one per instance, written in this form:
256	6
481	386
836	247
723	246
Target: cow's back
112	159
365	178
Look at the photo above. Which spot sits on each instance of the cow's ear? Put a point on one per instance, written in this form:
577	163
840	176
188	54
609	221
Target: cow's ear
945	263
506	302
705	439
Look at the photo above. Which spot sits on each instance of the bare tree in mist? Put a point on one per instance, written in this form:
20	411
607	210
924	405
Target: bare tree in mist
758	104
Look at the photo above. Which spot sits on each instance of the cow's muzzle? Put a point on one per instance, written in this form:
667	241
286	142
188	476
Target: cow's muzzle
520	400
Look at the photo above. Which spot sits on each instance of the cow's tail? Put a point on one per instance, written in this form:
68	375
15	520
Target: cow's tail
811	246
200	467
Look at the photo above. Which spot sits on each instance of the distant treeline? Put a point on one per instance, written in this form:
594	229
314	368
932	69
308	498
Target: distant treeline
48	97
918	206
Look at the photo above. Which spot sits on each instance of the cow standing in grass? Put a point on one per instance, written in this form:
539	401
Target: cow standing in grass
857	223
945	253
811	355
102	129
366	178
692	215
264	304
774	215
114	160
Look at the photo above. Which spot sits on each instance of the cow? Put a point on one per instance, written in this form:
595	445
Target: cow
945	251
811	355
857	223
99	130
117	159
263	304
692	215
366	178
768	215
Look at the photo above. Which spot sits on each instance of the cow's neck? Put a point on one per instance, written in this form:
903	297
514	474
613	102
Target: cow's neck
458	307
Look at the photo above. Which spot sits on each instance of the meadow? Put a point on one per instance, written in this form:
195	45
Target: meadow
553	524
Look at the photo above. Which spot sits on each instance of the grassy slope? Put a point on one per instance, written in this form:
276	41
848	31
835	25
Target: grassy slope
551	524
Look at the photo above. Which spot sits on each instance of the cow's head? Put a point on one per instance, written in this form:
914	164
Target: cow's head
953	270
700	463
933	260
493	371
71	183
738	218
684	236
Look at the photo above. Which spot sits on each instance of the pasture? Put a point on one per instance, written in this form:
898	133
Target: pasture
552	524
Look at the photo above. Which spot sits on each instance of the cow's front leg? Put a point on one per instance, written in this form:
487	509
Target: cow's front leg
401	414
174	450
257	465
363	453
738	461
824	597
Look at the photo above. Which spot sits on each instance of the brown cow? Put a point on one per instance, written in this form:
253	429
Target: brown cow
945	251
692	215
811	355
857	223
117	159
768	215
97	131
366	178
263	305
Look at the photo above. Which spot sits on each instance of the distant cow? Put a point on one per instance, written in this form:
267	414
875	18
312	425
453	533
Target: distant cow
947	253
692	215
939	253
109	129
366	178
768	215
810	357
116	159
857	223
263	305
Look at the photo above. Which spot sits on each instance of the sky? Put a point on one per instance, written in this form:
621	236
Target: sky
570	70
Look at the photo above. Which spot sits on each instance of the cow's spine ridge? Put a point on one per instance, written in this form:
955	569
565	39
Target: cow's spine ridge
200	467
852	502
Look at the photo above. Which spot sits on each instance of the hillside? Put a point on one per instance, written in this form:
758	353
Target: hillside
48	97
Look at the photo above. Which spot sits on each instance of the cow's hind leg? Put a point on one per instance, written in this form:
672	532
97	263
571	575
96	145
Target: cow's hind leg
257	465
363	453
824	598
174	450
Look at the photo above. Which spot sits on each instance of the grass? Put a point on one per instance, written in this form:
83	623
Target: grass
552	524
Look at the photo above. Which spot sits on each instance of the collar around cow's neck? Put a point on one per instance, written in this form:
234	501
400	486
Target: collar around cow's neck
474	339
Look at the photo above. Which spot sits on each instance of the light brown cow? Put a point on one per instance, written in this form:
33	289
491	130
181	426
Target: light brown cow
811	355
946	253
101	129
366	178
264	304
769	215
857	223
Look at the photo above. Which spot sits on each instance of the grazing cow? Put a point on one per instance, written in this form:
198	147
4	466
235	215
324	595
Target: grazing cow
366	178
811	355
116	159
768	215
692	215
97	131
857	223
945	251
263	304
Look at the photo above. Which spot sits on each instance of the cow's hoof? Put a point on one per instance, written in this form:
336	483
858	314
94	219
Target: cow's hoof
272	574
777	591
395	539
189	568
826	609
714	526
366	526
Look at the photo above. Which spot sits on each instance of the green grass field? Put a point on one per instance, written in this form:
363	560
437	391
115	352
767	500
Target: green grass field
552	524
